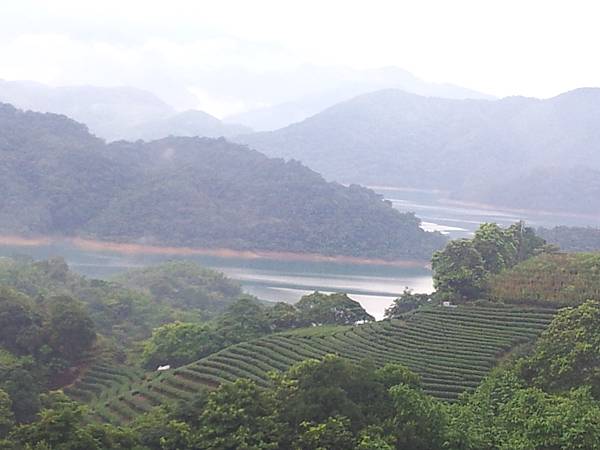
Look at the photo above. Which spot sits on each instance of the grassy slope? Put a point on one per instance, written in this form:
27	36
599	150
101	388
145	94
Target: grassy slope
559	279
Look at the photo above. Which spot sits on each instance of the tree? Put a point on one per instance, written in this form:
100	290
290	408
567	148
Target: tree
497	247
283	316
71	329
459	271
239	415
567	355
157	430
59	427
505	413
331	434
393	374
406	302
419	422
526	241
242	321
7	418
180	343
23	381
20	325
333	309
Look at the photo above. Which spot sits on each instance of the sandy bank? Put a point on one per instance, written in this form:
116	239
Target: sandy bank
144	249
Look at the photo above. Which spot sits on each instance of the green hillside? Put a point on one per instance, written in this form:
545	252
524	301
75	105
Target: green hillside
452	349
478	150
550	279
59	180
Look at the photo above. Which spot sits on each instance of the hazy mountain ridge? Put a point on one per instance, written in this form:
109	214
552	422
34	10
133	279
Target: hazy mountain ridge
114	113
480	150
335	86
187	123
60	180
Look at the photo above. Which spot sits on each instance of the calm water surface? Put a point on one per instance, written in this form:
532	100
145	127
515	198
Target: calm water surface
373	286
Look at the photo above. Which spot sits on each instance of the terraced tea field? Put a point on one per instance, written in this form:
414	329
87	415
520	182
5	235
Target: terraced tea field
103	380
452	349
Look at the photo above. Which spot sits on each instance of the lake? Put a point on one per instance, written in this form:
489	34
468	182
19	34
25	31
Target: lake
374	286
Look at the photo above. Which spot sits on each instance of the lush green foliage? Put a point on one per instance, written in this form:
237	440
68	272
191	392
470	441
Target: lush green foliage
407	302
128	308
179	343
550	279
572	239
567	355
39	340
461	271
184	285
332	309
196	192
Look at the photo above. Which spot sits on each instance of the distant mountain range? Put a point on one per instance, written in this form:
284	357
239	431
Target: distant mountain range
57	179
328	86
515	152
272	100
114	113
186	123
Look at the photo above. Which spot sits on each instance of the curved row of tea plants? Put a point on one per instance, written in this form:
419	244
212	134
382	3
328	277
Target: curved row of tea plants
452	349
103	379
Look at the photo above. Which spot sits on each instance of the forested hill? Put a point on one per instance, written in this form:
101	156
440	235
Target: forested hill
515	152
58	179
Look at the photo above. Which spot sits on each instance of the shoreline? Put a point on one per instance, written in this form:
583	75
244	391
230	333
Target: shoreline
146	249
448	200
505	209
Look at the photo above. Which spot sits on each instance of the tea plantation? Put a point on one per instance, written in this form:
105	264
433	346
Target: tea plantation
452	349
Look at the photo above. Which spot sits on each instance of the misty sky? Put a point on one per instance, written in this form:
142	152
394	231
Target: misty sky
222	56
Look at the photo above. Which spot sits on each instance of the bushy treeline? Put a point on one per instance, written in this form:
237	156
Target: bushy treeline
548	400
462	270
130	307
57	179
40	340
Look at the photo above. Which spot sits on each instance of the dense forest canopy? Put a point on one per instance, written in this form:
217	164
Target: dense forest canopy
60	180
478	150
